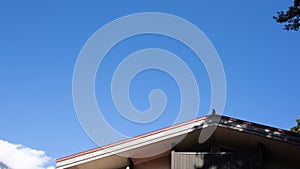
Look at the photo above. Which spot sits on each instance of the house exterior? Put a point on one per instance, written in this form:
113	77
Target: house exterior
234	144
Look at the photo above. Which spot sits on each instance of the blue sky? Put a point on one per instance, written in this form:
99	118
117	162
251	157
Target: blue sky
40	42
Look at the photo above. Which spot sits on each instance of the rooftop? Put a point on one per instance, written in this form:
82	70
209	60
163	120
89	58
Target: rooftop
168	136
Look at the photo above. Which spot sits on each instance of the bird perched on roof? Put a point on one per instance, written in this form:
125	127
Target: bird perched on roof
213	111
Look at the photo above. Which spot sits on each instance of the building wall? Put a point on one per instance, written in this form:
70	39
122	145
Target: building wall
193	160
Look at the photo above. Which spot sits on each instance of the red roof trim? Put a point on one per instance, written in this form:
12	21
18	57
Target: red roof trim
130	139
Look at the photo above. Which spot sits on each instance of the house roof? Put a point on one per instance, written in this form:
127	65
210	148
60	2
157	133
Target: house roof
167	136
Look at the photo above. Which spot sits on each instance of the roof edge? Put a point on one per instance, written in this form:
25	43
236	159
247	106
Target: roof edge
226	118
132	139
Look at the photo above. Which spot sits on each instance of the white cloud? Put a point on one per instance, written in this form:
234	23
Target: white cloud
17	156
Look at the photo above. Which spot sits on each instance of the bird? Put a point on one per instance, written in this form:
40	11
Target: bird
213	111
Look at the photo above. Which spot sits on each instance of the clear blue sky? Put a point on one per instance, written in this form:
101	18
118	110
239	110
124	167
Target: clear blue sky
40	42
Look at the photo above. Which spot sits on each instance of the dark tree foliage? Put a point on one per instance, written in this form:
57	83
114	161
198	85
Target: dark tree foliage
290	18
